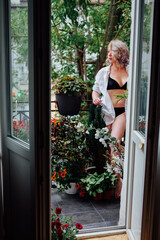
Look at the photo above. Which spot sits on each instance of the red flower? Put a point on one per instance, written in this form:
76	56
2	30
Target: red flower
59	173
63	174
65	226
82	190
59	230
58	224
52	225
58	210
81	194
77	186
68	239
78	225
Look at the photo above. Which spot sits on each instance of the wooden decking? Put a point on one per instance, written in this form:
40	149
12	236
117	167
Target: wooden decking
115	237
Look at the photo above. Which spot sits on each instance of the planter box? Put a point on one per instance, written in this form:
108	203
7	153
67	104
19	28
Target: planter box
68	105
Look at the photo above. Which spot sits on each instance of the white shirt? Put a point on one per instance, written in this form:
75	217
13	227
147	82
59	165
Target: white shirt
100	86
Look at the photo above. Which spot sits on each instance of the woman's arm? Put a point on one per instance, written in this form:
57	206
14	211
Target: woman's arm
95	98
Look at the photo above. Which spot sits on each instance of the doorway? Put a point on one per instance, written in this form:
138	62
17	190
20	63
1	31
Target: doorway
80	34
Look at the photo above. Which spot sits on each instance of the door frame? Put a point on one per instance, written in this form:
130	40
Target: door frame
152	175
42	105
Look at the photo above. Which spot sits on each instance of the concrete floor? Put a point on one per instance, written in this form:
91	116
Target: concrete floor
90	213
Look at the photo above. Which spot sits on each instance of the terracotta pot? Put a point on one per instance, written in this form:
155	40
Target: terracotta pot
72	189
107	194
68	105
98	196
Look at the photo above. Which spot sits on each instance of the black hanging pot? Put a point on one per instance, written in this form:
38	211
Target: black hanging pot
68	105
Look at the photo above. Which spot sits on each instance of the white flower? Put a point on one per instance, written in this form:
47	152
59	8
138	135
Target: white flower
109	168
101	140
87	131
105	130
96	135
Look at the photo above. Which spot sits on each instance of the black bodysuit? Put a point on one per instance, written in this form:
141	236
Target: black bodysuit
113	84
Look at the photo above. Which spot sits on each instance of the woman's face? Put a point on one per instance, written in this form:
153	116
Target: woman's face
111	56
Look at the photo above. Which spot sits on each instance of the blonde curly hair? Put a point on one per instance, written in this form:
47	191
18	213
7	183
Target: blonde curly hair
120	51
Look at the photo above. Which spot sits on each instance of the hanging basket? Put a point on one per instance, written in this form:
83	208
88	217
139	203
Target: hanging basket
68	105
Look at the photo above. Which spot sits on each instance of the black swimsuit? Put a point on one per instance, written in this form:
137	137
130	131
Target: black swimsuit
113	84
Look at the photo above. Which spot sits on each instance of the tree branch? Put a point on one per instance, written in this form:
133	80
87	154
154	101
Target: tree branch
120	28
62	57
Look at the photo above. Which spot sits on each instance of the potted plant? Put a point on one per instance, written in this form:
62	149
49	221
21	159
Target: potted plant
109	183
97	184
62	227
92	183
70	153
69	91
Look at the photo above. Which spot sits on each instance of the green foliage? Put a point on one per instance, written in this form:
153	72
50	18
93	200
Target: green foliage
97	149
69	85
99	138
19	33
70	153
62	227
147	27
123	27
119	97
78	32
98	183
21	131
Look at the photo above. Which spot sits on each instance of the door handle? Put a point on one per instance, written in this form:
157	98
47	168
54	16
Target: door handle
140	145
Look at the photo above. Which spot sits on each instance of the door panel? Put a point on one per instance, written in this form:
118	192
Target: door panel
26	164
140	71
19	214
138	182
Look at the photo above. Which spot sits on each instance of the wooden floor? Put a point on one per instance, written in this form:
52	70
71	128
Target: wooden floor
115	237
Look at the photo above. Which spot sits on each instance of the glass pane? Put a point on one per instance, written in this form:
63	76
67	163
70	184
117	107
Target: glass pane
145	68
19	69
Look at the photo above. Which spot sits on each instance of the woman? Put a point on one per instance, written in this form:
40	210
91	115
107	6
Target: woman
111	81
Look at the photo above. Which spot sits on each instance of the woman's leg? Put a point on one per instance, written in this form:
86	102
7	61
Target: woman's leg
118	129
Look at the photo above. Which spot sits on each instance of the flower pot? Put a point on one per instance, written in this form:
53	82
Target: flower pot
107	194
72	189
68	105
90	170
98	196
